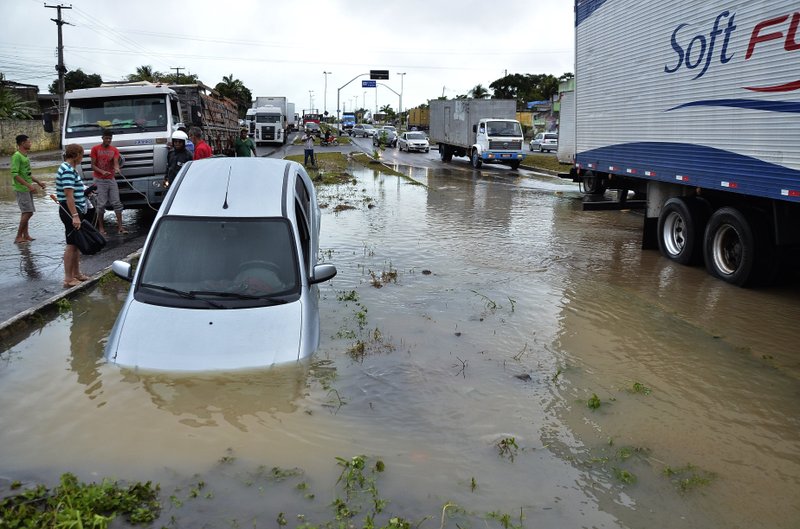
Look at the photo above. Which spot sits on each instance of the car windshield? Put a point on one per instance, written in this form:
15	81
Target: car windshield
388	127
504	128
200	262
415	136
122	115
368	127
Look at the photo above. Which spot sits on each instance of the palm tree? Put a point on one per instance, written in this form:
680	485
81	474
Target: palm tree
145	73
12	106
479	92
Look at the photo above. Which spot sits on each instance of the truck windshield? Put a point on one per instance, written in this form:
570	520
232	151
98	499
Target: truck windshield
123	115
268	118
504	128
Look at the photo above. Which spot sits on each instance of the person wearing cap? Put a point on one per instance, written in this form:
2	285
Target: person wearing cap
244	146
177	156
105	165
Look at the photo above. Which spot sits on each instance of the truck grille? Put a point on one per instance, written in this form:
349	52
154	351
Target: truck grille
502	145
267	133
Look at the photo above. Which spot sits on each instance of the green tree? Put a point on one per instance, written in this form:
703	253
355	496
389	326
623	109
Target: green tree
145	73
11	105
479	92
525	87
75	79
391	115
237	91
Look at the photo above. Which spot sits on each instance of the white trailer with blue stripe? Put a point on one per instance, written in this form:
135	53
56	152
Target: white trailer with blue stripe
694	105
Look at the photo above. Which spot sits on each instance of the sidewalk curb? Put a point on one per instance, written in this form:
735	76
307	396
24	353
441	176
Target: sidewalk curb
34	317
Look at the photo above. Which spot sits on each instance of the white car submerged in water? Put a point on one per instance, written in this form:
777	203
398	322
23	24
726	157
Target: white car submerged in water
227	277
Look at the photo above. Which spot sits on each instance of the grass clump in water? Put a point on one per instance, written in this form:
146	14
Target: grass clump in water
76	504
688	478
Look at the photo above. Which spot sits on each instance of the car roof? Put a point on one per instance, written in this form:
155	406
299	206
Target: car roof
232	187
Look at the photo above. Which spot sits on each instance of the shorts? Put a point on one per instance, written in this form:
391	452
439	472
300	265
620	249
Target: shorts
108	194
25	202
66	219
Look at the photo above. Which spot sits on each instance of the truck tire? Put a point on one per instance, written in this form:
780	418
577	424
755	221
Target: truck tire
514	165
738	248
476	159
445	153
594	184
681	226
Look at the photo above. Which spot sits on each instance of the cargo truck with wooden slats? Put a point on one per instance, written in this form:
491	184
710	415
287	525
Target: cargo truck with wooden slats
690	112
215	114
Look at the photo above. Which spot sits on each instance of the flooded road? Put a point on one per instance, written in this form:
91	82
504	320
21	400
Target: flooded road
33	272
497	348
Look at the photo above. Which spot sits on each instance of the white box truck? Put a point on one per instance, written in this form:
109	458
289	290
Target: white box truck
267	121
483	130
694	105
142	118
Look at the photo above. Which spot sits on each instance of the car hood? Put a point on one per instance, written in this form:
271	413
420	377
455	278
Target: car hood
178	339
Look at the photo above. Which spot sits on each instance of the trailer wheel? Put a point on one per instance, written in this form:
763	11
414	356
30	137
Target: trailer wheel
680	230
738	248
594	184
476	159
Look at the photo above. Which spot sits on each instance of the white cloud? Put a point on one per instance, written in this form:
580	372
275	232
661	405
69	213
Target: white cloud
282	48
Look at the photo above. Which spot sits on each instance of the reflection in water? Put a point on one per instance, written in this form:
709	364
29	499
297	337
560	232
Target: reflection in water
27	263
199	400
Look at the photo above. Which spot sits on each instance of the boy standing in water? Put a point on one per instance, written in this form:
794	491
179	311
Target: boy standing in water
22	182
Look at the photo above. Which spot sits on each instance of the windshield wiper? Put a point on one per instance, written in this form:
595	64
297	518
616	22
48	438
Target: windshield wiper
237	295
85	126
181	293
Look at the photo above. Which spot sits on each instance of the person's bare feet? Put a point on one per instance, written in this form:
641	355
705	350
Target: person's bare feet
20	241
81	277
29	238
74	282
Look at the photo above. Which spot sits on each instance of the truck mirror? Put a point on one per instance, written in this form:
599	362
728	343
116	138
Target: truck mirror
474	128
47	122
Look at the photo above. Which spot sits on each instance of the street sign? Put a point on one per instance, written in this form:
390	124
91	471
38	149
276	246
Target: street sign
379	74
368	84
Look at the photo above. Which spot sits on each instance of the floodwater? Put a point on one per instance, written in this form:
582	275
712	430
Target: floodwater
503	311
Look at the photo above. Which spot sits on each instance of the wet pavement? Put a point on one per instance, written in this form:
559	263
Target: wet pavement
478	307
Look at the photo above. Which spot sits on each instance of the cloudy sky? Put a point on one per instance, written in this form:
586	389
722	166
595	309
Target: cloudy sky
283	48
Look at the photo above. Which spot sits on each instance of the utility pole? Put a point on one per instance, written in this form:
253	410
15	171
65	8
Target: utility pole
177	73
60	68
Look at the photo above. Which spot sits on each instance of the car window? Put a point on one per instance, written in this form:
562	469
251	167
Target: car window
415	136
551	136
201	254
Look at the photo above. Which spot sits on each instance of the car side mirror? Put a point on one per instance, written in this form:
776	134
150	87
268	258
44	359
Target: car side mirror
322	272
122	270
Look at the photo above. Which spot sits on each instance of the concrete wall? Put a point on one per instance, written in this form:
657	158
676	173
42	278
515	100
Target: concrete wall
41	140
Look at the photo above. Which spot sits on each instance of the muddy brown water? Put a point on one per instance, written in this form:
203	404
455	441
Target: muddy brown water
510	310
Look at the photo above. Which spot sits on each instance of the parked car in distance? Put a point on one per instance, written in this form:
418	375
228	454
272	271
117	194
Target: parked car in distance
227	276
313	128
385	135
545	141
363	130
413	141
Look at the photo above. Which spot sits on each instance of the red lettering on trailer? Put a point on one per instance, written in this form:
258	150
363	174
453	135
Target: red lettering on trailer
790	43
790	192
681	178
630	171
649	173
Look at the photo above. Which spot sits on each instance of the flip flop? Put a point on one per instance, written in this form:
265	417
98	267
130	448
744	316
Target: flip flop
72	283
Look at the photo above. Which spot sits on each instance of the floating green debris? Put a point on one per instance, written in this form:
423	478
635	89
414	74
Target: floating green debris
76	504
593	402
688	478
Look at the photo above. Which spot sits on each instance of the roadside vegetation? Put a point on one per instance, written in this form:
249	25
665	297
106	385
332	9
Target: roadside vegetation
547	162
